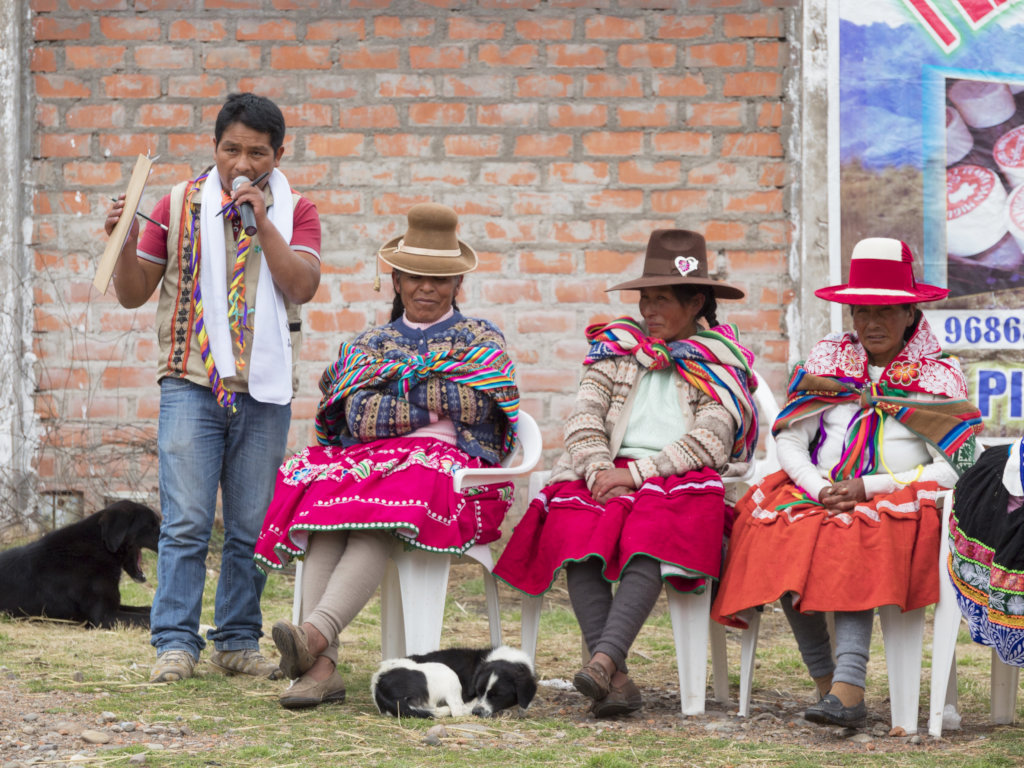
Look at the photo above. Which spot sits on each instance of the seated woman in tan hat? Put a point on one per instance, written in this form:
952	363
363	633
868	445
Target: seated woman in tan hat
663	406
405	406
876	422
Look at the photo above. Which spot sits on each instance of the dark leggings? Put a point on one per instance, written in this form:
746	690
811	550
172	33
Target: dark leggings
611	624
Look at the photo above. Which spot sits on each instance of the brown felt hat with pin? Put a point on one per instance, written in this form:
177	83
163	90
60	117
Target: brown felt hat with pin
429	246
678	257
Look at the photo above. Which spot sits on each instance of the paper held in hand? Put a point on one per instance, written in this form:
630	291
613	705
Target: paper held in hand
119	235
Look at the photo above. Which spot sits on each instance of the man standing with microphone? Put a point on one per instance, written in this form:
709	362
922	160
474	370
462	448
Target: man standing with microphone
234	263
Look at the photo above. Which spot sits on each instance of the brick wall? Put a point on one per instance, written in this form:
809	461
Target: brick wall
563	131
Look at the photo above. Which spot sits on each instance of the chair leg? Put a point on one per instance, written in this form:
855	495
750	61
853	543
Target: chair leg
423	581
719	662
297	596
903	634
946	627
530	624
1004	691
690	629
748	651
392	622
482	554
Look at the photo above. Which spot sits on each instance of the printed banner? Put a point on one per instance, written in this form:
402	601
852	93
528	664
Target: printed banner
931	151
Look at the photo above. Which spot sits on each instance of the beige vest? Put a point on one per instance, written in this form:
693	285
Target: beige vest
175	314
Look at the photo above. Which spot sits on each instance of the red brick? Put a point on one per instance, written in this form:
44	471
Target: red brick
57	378
546	322
752	84
534	379
602	86
611	27
434	174
399	27
403	145
198	87
774	175
769	115
46	28
129	145
615	200
581	291
501	56
334	145
770	54
336	201
647	55
653	115
546	29
336	321
481	205
95	116
682	85
752	144
754	202
516	115
204	31
361	57
683	143
473	86
128	86
577	115
676	200
775	232
728	114
438	114
46	115
510	174
554	144
531	203
392	86
115	28
60	87
43	60
725	232
612	262
475	29
715	174
590	231
613	143
81	174
531	263
473	146
331	87
430	57
303	175
377	116
163	57
510	291
300	57
544	86
513	231
236	57
571	55
759	262
187	145
94	56
646	172
64	145
252	29
580	173
717	55
768	24
684	27
336	30
168	174
300	5
164	115
233	5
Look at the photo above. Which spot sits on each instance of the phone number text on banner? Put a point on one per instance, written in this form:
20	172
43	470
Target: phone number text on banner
978	328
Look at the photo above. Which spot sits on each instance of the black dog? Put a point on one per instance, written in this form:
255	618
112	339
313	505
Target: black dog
456	682
73	573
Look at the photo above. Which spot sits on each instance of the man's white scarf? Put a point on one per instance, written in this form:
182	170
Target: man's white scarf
270	364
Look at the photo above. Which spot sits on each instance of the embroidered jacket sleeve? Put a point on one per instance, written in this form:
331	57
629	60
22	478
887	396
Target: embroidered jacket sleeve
585	432
707	443
794	451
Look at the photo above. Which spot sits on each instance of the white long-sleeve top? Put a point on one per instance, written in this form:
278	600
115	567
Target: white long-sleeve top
902	450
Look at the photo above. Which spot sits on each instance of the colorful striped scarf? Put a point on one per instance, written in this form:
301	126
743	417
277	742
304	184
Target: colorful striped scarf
836	372
485	369
713	361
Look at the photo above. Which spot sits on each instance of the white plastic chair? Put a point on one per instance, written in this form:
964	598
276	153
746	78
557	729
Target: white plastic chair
415	585
1004	677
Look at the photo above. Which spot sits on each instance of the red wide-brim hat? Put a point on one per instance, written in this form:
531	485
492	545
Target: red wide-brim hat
882	272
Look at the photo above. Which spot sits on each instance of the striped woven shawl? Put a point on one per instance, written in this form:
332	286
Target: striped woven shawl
713	361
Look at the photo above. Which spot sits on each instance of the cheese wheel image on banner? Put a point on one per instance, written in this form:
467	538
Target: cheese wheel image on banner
1009	155
975	210
982	104
1015	215
958	137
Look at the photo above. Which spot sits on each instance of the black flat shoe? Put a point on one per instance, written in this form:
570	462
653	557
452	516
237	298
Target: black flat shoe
830	711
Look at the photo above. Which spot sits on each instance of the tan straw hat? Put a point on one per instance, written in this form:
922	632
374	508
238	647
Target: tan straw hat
678	257
429	246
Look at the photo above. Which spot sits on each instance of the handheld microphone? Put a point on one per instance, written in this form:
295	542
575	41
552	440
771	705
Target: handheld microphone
245	209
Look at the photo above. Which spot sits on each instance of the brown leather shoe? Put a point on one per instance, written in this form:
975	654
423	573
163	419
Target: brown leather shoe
592	681
293	645
620	701
307	692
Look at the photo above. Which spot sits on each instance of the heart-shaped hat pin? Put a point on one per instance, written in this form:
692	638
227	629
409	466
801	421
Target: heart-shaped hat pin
686	264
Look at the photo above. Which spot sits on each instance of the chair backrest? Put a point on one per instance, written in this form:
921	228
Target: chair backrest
768	411
531	444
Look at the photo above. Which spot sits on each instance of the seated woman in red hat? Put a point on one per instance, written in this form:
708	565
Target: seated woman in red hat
405	406
850	522
663	407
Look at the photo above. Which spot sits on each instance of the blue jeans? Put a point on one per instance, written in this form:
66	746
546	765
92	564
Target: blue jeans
202	445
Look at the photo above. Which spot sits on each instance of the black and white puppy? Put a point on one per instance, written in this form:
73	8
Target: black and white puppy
455	682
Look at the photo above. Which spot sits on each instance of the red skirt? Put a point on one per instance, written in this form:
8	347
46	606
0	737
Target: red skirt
399	485
678	520
883	553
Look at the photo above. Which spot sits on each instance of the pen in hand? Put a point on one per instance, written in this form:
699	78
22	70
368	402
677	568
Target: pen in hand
151	221
258	179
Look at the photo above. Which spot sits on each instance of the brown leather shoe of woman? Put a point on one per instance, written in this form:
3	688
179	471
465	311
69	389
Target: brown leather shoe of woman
621	700
592	681
293	645
307	692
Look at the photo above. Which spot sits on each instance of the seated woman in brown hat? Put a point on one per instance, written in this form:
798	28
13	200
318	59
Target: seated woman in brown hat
663	406
405	406
877	421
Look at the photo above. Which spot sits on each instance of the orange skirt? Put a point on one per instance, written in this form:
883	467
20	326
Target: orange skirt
884	552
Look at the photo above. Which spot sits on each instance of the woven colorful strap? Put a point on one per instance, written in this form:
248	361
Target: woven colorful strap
238	309
485	369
